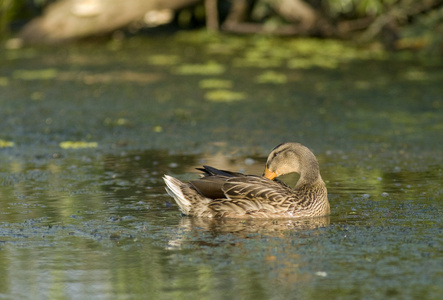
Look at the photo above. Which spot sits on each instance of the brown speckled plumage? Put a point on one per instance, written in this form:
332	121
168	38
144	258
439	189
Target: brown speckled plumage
224	194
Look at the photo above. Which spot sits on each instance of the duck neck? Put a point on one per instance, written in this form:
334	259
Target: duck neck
309	176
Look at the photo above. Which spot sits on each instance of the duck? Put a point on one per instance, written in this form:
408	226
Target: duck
227	194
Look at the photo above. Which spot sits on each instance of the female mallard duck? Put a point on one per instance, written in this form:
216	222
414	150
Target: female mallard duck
224	194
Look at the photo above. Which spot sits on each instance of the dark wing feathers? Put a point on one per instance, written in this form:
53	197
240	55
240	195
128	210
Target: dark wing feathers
210	171
210	186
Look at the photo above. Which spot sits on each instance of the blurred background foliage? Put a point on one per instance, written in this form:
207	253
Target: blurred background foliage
396	24
14	13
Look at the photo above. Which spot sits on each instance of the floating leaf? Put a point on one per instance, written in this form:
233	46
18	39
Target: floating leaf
78	145
214	83
272	77
6	144
210	68
163	60
35	74
224	96
314	61
121	121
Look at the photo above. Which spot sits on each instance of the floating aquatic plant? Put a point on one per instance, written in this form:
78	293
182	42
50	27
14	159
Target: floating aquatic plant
210	68
315	61
214	83
77	145
35	74
272	77
223	95
163	60
6	144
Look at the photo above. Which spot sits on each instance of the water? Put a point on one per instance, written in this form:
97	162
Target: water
104	227
87	131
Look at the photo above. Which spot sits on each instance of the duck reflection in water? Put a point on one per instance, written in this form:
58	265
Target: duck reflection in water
262	225
193	230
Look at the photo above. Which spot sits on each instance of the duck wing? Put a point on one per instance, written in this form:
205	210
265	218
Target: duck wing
235	194
252	196
210	185
256	188
211	171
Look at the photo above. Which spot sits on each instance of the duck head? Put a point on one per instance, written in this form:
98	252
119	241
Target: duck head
292	158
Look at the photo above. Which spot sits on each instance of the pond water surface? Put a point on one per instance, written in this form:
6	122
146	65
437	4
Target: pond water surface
87	132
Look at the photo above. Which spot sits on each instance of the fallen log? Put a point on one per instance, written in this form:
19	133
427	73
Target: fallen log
73	19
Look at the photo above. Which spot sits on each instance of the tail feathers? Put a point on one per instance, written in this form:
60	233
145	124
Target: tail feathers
174	189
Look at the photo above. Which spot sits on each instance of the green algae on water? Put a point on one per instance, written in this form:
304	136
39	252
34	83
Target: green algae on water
77	145
223	95
6	144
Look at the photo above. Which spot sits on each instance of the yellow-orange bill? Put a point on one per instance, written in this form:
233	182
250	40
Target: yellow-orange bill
270	175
